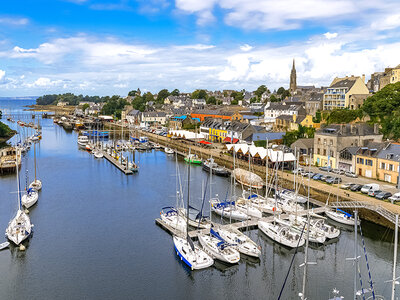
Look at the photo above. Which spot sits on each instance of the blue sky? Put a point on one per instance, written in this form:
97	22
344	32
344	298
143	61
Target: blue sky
110	47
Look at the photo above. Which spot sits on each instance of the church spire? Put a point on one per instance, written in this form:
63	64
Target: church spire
293	83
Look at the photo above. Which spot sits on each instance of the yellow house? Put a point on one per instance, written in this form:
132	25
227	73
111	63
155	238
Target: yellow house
388	163
340	90
367	160
292	122
395	76
217	134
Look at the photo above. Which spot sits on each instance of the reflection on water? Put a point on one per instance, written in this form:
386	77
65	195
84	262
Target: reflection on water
95	237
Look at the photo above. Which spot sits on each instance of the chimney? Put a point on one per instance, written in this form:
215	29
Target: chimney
376	128
363	77
352	128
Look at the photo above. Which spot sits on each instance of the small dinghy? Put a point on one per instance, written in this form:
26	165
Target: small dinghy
4	245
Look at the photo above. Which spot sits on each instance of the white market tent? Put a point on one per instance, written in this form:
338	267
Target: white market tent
273	155
185	134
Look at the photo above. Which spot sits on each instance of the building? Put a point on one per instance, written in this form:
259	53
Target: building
62	103
347	159
214	130
133	116
338	93
293	80
357	100
373	83
154	117
385	79
313	103
292	122
330	140
276	109
388	163
273	138
367	159
214	114
180	122
395	75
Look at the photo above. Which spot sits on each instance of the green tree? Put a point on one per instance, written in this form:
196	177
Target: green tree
318	117
342	116
273	98
280	91
85	106
162	95
211	100
175	92
260	90
148	97
199	94
132	93
139	103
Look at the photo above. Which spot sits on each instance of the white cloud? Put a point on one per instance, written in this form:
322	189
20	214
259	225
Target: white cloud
14	21
86	64
387	22
2	75
246	47
329	35
284	14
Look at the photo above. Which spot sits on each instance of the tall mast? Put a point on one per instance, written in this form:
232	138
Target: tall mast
188	200
396	231
34	152
266	175
355	255
16	165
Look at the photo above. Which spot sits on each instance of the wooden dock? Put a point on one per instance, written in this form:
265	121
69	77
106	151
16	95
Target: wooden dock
117	163
242	226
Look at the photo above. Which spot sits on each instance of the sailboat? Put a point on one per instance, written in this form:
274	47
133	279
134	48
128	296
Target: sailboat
30	198
36	184
190	254
20	227
218	248
281	233
169	150
244	244
228	210
341	216
193	159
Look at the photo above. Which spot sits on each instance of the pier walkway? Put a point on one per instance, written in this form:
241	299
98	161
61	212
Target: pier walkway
117	163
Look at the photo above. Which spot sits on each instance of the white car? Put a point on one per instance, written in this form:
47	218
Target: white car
369	188
395	197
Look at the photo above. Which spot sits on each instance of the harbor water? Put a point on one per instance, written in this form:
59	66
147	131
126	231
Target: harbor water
95	235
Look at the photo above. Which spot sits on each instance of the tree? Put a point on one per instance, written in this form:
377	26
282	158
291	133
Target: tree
273	98
148	97
85	106
162	95
132	93
343	116
199	94
175	92
114	106
211	100
237	96
318	117
260	90
139	103
281	90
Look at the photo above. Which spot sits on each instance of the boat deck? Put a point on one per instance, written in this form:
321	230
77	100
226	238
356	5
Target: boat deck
242	226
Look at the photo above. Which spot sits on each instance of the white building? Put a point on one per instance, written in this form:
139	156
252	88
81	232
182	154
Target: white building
276	109
152	117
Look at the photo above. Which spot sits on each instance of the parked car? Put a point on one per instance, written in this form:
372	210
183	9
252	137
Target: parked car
298	171
370	187
326	169
350	174
336	171
334	180
395	197
328	178
374	193
383	195
356	188
304	173
317	176
347	186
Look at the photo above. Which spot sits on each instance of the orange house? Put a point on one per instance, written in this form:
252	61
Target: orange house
211	114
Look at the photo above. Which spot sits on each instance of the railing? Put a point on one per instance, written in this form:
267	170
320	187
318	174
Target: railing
358	204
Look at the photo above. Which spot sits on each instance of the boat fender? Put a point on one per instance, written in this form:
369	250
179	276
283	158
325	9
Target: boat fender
22	247
26	211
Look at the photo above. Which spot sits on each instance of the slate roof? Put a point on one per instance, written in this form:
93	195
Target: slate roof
345	83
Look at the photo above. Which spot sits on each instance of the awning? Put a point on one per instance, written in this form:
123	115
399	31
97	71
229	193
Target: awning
228	140
205	142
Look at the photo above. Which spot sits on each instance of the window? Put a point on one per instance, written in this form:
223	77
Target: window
390	167
368	162
324	141
360	161
331	153
324	152
383	166
318	151
331	142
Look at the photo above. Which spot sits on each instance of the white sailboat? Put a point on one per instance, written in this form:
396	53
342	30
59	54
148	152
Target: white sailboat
20	227
291	196
243	243
82	141
30	198
341	216
227	210
248	208
281	233
297	224
218	248
36	184
190	254
169	150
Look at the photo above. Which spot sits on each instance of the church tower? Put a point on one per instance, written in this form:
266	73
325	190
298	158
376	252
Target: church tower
293	83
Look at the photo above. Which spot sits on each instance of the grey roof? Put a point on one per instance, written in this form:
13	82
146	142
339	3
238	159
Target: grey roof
303	144
371	149
285	117
344	83
359	129
390	152
133	112
154	114
352	150
271	136
317	97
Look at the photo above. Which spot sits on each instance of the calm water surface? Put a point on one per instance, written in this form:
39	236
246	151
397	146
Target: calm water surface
95	236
